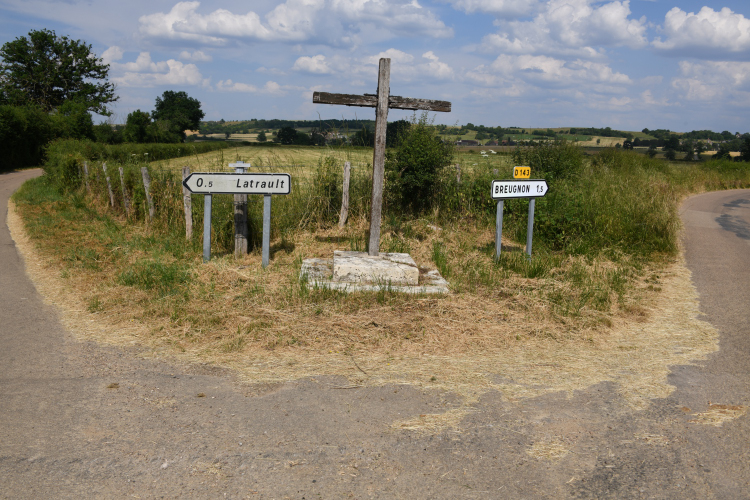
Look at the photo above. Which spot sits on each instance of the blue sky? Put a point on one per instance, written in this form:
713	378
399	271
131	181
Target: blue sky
682	65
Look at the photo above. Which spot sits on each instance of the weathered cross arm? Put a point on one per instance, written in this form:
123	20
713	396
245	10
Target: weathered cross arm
371	101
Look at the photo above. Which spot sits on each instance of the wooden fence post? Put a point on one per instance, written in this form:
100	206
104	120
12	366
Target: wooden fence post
240	218
86	176
109	186
125	199
147	188
188	204
345	195
458	173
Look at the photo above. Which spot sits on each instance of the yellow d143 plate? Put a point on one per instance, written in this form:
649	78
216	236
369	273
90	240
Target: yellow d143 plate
521	172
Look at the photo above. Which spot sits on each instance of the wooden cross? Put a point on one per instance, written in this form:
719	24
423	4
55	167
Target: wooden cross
381	102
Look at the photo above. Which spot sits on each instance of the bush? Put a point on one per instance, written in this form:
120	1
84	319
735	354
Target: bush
24	131
550	160
625	201
413	167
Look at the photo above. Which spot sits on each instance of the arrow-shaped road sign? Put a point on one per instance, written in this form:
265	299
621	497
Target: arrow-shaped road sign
234	183
519	188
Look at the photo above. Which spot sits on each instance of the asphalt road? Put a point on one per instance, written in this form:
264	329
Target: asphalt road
67	431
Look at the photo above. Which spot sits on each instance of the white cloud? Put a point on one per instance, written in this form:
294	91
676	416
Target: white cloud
714	81
404	67
144	72
548	72
647	98
435	68
706	34
396	56
500	8
572	27
270	87
197	56
112	54
316	64
334	22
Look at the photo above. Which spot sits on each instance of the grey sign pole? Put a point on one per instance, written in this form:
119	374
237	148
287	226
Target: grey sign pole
498	228
530	226
206	227
266	228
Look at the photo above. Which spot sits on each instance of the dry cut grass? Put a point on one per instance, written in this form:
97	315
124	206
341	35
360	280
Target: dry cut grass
496	331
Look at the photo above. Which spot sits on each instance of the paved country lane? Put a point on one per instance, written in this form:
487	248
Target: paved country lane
65	434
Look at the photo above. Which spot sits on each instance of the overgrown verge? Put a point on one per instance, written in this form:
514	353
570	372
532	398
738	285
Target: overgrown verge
603	237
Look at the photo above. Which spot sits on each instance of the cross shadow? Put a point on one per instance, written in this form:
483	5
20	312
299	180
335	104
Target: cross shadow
489	248
333	239
282	246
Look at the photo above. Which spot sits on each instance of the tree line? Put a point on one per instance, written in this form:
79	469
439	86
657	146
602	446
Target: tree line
259	124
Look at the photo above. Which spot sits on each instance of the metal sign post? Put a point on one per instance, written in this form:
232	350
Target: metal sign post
210	183
207	228
517	188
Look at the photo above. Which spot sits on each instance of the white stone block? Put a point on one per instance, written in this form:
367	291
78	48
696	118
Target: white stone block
384	269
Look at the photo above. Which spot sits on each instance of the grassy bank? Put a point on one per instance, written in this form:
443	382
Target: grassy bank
604	234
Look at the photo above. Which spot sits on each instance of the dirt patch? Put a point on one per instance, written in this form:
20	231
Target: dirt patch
717	414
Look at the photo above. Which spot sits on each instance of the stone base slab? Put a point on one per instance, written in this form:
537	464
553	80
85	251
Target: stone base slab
385	268
319	273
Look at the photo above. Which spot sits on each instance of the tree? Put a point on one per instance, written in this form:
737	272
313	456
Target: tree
286	135
394	131
72	120
317	138
49	70
669	154
364	137
651	151
137	127
262	136
723	153
745	148
178	112
673	142
689	152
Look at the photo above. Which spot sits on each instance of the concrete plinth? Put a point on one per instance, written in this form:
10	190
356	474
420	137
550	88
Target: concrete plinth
386	268
358	271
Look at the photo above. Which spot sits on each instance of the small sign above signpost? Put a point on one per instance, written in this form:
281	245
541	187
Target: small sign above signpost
521	172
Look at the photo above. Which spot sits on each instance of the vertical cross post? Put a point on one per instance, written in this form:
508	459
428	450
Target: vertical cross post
381	102
378	156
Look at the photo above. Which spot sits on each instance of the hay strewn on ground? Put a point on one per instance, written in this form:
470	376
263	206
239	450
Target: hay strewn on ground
468	343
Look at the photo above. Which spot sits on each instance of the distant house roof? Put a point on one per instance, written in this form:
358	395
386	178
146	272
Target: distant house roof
467	142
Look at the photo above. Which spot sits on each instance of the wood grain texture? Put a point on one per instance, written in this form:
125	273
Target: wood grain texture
371	101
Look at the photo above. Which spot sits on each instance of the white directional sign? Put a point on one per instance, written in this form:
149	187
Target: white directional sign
234	183
518	188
